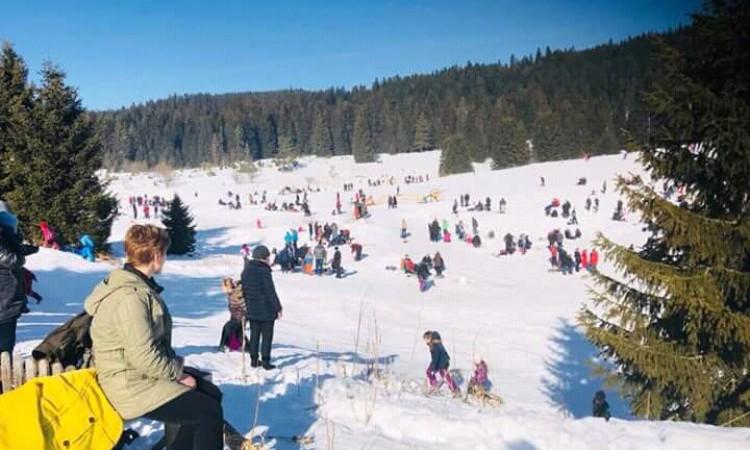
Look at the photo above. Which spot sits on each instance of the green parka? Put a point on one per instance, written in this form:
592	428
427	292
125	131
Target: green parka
131	333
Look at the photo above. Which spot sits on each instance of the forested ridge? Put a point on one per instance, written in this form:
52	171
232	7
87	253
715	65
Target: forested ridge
565	102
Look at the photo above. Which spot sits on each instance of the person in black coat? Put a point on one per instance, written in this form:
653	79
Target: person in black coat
600	407
336	263
262	305
438	264
12	286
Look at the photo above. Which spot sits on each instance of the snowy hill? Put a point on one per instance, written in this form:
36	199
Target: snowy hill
511	310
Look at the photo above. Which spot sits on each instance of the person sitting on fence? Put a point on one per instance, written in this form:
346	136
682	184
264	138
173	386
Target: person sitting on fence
137	368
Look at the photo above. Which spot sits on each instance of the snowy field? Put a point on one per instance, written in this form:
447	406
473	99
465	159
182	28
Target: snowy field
511	310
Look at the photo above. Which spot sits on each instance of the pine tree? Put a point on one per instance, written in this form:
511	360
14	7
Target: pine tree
16	100
287	153
455	156
179	224
54	175
423	134
321	138
362	142
508	146
675	318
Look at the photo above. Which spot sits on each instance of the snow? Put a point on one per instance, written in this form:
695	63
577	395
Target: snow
350	355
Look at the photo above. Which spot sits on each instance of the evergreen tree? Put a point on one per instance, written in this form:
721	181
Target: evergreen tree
362	142
16	100
507	138
511	150
287	153
423	134
455	156
321	139
675	319
54	175
179	224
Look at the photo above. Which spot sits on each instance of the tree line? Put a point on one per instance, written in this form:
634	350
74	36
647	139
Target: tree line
552	105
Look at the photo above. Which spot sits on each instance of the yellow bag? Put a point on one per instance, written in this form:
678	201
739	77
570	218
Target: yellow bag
59	412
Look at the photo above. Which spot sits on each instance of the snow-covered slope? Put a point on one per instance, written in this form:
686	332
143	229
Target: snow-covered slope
511	310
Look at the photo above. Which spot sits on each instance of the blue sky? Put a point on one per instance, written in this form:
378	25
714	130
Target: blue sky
119	52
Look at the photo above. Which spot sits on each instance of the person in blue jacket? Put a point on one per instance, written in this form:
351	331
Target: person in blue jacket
288	237
295	238
439	362
87	248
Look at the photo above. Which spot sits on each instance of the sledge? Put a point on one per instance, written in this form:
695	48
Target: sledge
482	396
234	440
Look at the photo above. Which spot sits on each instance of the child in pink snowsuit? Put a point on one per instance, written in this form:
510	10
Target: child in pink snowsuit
48	234
439	362
478	381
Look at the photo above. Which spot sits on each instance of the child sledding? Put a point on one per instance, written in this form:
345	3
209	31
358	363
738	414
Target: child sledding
479	386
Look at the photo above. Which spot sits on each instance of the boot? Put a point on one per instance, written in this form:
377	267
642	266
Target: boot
254	362
267	365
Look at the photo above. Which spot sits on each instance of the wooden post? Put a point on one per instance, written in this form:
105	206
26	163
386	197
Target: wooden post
244	353
5	372
30	366
57	368
43	366
17	370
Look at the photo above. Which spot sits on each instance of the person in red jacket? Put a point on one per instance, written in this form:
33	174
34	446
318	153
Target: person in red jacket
585	259
593	259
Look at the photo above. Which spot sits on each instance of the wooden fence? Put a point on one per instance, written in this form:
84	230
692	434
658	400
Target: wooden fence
17	370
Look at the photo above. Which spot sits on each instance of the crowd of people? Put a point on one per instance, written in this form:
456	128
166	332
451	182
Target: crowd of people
423	268
412	179
146	205
139	371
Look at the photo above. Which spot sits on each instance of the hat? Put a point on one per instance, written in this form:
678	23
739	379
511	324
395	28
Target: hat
261	252
7	218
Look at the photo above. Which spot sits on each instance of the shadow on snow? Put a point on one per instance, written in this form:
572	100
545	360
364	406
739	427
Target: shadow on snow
64	292
571	384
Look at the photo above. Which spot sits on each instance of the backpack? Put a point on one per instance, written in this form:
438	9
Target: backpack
69	344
